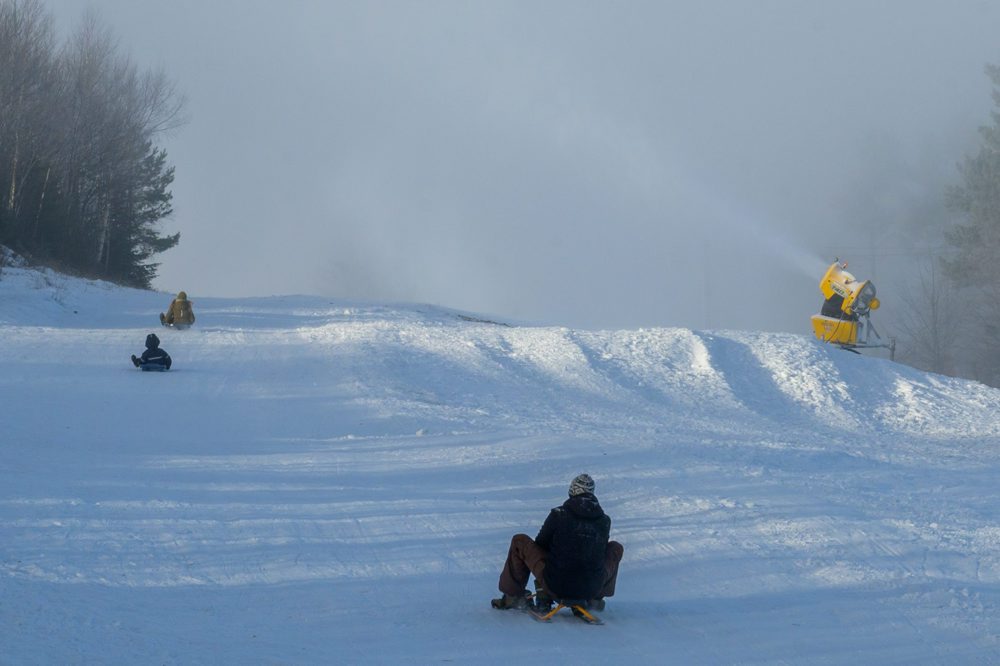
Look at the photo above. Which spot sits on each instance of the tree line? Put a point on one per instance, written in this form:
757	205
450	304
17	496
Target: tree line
83	183
948	320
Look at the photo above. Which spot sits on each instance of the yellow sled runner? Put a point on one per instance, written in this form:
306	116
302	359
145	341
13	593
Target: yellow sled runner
579	609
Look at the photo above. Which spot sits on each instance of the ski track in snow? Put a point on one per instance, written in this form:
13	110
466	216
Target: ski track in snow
324	481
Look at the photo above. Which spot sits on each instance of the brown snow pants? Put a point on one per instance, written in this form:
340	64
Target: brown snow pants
526	557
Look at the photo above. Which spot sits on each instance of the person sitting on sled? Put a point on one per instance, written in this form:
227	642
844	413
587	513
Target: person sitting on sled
571	558
154	358
179	313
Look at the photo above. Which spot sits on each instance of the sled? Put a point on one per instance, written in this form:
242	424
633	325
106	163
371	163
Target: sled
579	607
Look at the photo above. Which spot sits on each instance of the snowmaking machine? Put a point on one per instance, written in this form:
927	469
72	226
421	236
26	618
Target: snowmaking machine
844	317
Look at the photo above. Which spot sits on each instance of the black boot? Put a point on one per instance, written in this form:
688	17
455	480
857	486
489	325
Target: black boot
507	601
135	361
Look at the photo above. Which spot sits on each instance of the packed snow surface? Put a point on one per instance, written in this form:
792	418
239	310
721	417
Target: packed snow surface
320	481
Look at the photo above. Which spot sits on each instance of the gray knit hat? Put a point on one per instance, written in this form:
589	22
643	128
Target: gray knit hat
580	485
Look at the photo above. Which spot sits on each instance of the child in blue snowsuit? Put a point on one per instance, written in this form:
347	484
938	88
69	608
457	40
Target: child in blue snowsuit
153	358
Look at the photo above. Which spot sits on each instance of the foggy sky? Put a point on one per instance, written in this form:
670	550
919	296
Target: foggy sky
600	165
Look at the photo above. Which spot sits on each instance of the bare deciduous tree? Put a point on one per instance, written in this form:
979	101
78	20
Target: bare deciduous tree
27	81
931	322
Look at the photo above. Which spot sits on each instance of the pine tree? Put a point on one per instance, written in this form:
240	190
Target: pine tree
975	240
144	200
977	200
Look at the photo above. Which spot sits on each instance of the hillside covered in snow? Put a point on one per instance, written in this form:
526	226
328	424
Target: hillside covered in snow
319	481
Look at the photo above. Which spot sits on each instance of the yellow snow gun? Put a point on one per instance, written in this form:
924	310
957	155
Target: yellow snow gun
844	318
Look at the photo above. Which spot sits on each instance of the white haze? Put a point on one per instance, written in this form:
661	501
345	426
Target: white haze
613	164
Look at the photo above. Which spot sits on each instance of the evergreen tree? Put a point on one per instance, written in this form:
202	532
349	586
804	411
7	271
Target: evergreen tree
141	201
975	239
977	200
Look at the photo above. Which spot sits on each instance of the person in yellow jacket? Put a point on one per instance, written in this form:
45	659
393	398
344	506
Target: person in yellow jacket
179	313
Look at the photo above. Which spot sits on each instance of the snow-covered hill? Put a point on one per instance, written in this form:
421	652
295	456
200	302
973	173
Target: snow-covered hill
323	481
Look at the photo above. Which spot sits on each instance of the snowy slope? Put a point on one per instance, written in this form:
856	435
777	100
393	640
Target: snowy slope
323	482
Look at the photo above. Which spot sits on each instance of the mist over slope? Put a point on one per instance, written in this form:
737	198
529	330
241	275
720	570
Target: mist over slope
319	480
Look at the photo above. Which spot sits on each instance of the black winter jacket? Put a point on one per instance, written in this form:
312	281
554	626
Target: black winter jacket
576	538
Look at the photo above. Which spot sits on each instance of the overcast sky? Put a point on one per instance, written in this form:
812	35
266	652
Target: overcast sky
590	164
